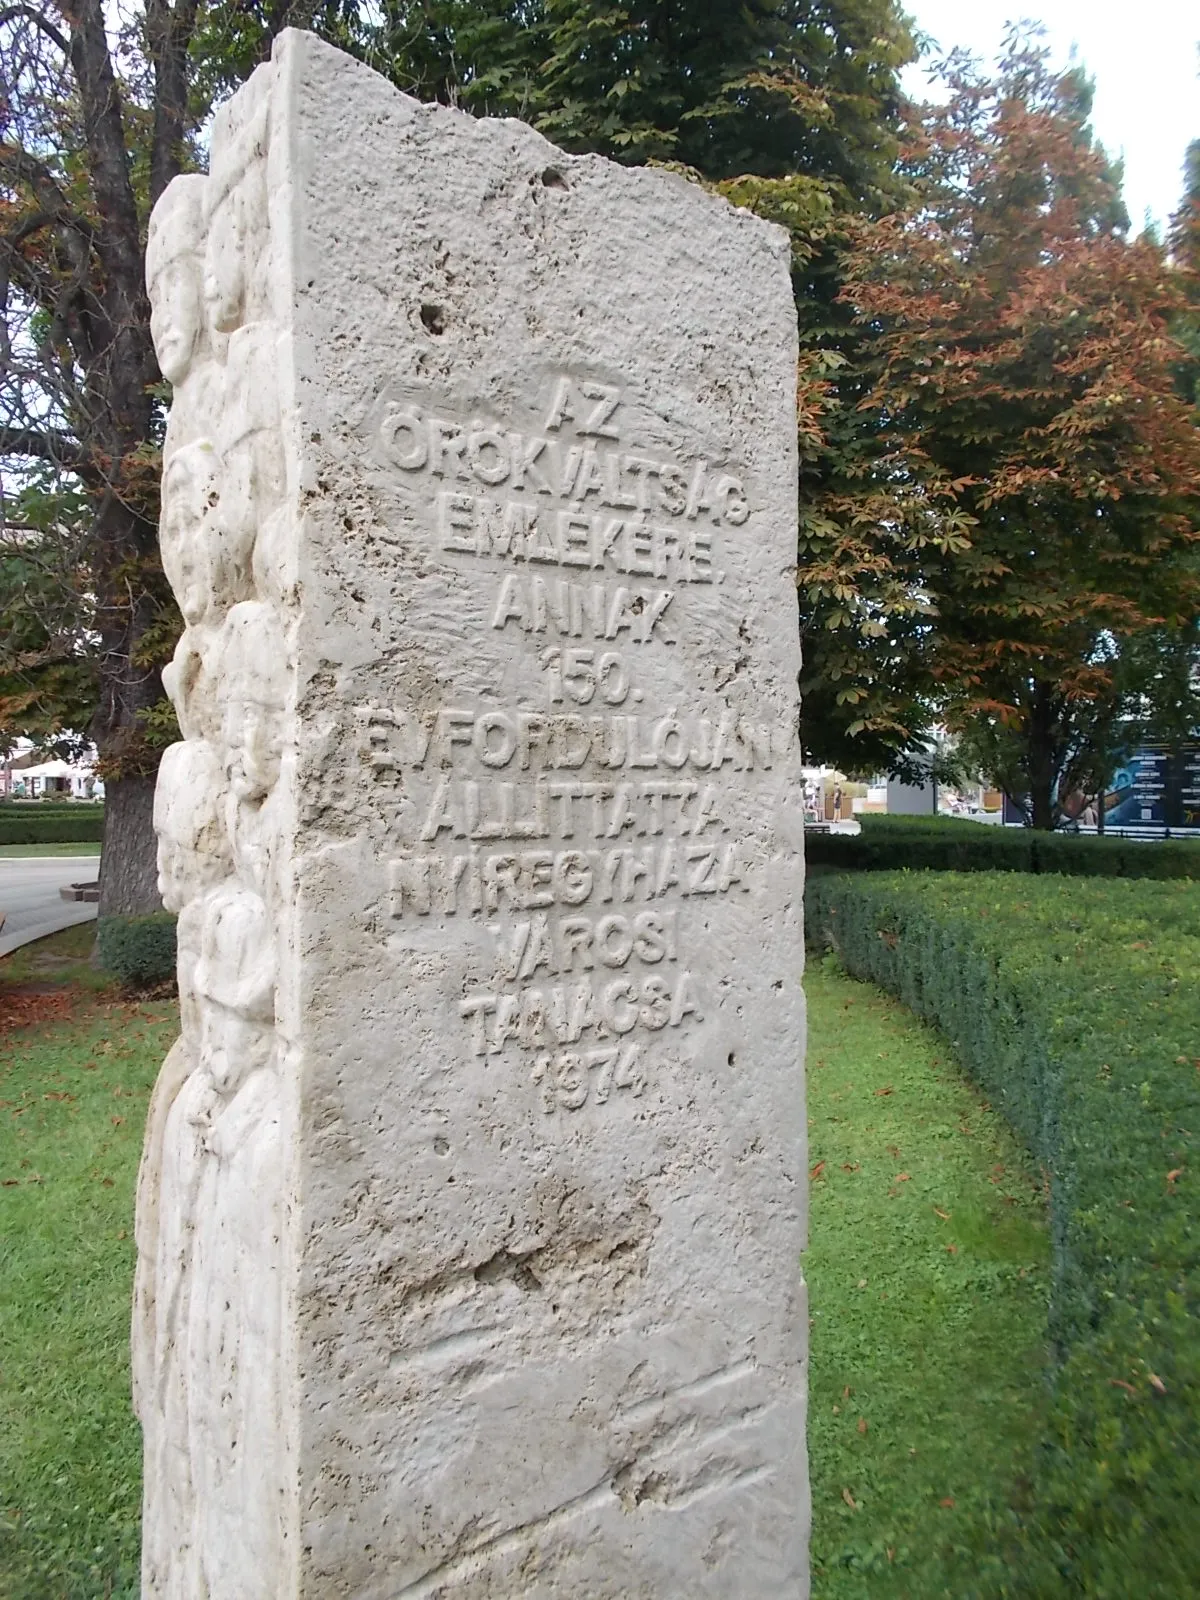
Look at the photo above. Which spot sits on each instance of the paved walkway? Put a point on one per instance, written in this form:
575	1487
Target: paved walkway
30	900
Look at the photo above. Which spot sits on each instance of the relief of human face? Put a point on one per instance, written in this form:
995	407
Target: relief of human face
188	532
176	312
225	264
193	851
231	1046
253	734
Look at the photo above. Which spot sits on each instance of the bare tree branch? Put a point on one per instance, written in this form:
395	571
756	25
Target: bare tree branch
42	444
22	167
35	221
39	20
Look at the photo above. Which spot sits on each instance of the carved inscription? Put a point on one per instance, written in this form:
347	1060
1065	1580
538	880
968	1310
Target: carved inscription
530	740
576	839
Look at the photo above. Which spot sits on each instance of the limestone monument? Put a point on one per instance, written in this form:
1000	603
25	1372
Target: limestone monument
472	1203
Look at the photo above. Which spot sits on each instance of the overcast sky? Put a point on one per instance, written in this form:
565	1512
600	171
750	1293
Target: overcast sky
1143	57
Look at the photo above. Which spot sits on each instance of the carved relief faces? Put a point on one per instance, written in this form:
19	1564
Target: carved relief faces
210	1204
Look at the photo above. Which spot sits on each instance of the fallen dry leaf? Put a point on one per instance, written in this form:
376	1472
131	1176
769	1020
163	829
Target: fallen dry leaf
848	1391
849	1499
948	1501
815	1172
888	1090
945	1215
1157	1384
862	1424
22	1009
902	1177
952	1249
1119	1383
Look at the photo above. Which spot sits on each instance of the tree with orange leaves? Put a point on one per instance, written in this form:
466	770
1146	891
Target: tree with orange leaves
1031	471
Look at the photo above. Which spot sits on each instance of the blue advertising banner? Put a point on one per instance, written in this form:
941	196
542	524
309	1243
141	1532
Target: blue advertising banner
1189	787
1137	794
1155	789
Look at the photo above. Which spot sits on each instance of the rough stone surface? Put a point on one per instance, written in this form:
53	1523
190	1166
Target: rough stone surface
472	1201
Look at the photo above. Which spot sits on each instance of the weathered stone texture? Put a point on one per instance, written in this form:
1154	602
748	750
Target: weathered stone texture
473	1197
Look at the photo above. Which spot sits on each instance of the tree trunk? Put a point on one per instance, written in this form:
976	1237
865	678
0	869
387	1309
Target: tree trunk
1041	764
1041	801
128	874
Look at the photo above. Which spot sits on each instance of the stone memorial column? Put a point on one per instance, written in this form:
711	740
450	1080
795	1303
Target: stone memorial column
472	1203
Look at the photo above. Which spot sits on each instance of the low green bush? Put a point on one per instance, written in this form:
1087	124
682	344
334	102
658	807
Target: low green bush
138	950
950	844
81	825
50	802
1074	1006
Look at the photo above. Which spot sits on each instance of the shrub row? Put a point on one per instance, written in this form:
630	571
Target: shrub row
35	826
47	803
947	844
138	950
1075	1008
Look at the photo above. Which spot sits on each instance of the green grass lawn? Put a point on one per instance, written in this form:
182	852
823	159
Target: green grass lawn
76	1067
928	1280
927	1331
85	849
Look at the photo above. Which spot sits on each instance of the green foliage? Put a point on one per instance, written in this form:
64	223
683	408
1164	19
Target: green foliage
51	825
1073	1006
138	950
925	843
47	805
928	1281
48	672
726	89
948	844
1020	481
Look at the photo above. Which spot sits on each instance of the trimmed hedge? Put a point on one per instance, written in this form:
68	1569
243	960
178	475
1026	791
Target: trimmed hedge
946	844
1075	1007
138	950
51	808
81	825
53	802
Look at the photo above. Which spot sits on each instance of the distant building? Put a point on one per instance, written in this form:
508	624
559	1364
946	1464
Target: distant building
25	776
